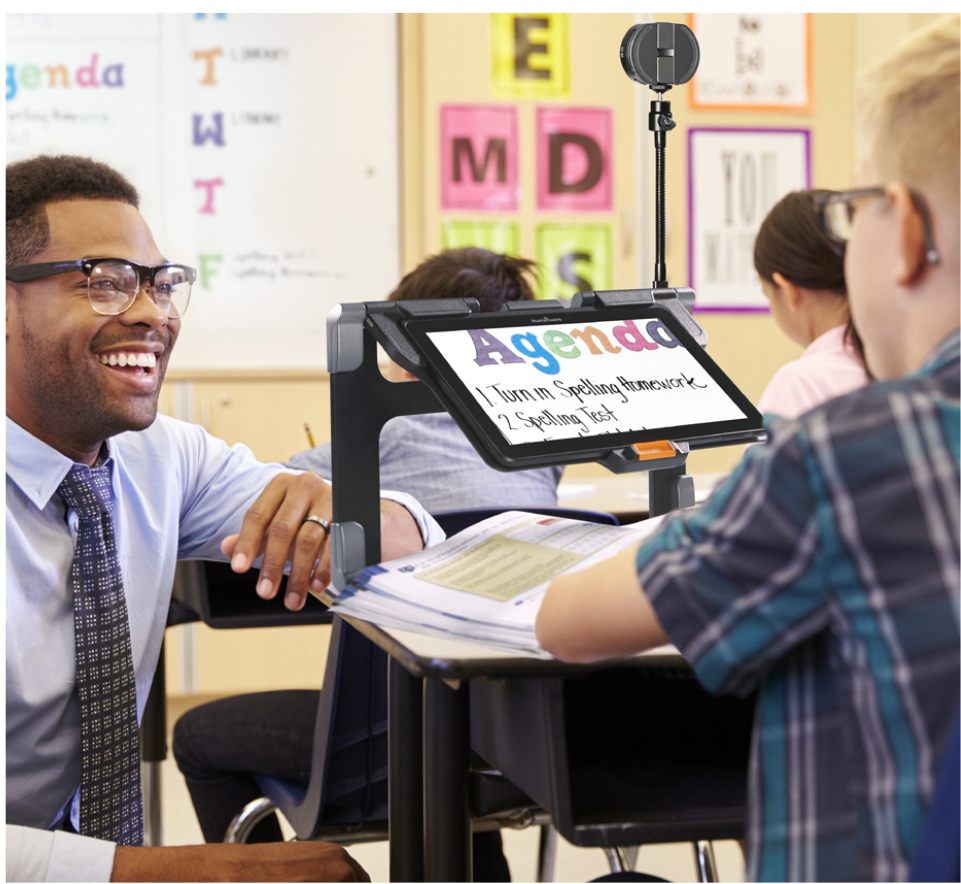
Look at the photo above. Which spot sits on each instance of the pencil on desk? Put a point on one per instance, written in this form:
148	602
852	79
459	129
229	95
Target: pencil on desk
310	437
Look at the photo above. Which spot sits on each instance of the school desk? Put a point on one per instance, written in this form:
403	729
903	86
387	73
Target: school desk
619	754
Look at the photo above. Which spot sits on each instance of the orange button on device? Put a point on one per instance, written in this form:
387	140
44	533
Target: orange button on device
652	450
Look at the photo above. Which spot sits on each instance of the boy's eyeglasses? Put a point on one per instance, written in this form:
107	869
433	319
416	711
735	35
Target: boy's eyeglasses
836	215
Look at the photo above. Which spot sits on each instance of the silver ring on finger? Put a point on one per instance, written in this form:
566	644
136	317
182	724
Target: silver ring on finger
320	520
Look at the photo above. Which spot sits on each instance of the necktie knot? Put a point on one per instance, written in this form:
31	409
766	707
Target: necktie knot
86	490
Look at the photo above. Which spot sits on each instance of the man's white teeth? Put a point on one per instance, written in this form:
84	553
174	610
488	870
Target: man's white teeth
144	360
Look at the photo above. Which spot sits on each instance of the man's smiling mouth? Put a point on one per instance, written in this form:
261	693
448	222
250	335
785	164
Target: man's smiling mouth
129	359
146	360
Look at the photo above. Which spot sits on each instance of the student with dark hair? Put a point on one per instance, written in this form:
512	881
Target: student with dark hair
802	275
103	497
426	455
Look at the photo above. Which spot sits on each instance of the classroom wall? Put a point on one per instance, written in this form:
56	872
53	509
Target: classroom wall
444	58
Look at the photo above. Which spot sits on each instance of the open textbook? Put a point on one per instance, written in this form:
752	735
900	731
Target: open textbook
485	584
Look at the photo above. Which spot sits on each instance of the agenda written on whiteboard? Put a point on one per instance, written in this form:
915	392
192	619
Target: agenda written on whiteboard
484	585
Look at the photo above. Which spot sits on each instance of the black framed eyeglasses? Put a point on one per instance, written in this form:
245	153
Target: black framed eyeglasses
114	283
836	215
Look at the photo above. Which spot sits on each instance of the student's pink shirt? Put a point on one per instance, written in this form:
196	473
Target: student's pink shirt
827	368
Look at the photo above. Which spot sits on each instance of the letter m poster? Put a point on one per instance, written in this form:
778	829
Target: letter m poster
478	149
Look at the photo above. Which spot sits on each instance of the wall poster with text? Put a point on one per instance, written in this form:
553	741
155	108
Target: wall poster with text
735	177
753	61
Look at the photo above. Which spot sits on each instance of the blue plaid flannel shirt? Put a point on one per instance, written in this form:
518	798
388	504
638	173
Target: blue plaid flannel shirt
824	573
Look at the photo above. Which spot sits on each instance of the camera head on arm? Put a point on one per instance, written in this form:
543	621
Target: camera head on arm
660	55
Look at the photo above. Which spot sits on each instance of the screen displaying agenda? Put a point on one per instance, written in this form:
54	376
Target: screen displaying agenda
561	380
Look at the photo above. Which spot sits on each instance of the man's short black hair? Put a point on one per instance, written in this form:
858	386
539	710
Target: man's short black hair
33	183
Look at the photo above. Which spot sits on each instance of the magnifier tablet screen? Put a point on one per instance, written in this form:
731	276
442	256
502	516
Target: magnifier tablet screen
539	384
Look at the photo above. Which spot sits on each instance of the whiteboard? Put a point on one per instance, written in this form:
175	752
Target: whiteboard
265	148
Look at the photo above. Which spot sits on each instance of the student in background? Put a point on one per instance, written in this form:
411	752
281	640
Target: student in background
220	745
824	572
802	275
427	455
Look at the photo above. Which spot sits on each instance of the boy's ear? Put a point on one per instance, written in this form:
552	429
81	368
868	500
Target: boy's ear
911	258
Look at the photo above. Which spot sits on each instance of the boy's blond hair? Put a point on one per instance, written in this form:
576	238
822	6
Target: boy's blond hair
906	112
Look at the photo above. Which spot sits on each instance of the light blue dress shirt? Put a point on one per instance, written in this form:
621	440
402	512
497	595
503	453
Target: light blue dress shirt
178	492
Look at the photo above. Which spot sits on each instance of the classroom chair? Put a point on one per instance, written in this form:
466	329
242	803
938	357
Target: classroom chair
346	799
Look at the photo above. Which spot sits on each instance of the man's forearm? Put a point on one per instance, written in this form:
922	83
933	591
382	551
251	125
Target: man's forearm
283	861
399	533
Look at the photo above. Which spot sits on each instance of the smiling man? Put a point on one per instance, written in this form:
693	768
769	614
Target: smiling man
824	572
103	497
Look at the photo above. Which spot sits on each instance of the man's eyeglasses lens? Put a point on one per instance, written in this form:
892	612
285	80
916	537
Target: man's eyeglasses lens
113	285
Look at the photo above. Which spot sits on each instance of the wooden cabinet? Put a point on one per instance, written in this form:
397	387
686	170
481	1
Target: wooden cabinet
264	410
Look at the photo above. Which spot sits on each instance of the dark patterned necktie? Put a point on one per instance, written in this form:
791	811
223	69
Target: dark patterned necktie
111	806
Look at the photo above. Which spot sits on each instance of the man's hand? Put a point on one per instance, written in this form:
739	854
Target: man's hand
274	526
283	861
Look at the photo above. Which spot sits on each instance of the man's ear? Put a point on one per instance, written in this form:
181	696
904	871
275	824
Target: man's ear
792	293
911	258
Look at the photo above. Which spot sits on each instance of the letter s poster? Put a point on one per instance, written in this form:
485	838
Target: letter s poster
563	380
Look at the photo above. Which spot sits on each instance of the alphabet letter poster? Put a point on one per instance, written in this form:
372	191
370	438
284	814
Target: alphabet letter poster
495	236
530	55
574	149
478	150
735	177
574	258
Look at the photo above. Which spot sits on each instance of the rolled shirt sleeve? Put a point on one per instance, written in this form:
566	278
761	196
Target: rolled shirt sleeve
430	531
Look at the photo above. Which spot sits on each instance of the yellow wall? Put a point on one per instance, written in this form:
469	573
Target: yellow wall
445	58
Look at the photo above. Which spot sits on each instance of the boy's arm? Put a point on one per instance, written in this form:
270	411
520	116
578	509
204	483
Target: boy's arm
598	613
